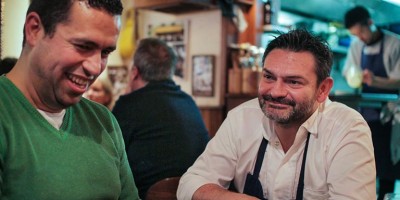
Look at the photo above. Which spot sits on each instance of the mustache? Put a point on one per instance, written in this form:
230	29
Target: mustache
280	100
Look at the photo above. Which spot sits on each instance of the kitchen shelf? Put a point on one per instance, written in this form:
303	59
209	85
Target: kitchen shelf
245	2
370	100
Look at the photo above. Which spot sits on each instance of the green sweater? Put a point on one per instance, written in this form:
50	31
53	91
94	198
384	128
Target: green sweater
85	159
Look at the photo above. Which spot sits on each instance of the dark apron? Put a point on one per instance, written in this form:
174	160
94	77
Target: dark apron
253	186
375	64
381	133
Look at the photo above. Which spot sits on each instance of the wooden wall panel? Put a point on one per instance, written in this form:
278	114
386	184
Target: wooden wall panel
253	16
213	117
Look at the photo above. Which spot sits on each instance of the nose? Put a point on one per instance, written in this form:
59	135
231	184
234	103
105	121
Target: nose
278	89
93	65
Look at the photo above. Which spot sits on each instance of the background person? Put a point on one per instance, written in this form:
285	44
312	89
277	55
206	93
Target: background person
53	144
378	54
162	127
299	145
101	91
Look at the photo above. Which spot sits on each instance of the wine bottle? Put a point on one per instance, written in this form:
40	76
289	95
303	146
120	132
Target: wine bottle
268	12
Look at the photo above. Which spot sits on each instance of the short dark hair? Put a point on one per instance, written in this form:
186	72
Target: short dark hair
54	12
155	60
7	64
300	40
356	15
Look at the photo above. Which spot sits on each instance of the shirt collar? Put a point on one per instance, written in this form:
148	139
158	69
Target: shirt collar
311	124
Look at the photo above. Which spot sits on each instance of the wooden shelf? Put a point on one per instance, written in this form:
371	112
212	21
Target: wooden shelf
245	2
175	6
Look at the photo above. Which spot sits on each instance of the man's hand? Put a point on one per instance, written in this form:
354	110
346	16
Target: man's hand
368	77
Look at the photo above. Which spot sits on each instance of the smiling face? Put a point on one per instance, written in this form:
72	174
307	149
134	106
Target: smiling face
288	91
61	67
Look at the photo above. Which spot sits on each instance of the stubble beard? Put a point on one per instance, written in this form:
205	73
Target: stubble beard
298	113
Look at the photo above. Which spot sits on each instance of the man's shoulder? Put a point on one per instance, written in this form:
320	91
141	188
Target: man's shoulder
155	92
341	111
356	44
249	107
4	83
391	35
96	116
89	107
392	39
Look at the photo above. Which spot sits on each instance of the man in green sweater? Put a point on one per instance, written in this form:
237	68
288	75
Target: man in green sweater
53	145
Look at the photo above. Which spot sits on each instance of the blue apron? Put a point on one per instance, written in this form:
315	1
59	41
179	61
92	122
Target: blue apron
381	133
375	64
253	186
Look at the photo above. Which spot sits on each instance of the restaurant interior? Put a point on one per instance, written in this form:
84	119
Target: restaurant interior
230	36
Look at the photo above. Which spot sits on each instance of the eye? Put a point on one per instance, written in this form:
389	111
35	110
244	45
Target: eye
268	76
83	47
294	82
105	53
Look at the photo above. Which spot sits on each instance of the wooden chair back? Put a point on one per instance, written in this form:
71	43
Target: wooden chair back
164	189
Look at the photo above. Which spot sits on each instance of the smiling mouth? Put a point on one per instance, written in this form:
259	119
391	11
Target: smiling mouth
80	82
277	105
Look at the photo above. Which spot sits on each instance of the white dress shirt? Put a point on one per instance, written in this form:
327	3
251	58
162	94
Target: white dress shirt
340	160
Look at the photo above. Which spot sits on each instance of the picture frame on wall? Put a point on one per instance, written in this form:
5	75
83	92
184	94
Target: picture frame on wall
203	75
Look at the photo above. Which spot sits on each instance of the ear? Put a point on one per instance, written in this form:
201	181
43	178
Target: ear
136	81
33	28
135	74
324	89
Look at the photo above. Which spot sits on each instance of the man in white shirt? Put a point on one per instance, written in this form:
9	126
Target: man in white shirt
299	145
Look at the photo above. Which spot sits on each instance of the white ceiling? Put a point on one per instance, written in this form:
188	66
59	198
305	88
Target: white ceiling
383	13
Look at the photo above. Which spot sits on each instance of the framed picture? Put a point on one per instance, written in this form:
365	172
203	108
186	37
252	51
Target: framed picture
203	75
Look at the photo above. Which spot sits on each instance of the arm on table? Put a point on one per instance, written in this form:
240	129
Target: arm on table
213	191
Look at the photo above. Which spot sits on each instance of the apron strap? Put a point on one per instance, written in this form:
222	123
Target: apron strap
260	157
300	186
257	191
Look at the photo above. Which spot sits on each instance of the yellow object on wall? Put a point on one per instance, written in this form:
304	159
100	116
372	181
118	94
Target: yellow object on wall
168	29
126	40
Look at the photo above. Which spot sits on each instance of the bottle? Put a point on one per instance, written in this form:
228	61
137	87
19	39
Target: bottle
268	12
